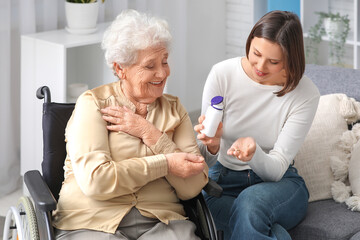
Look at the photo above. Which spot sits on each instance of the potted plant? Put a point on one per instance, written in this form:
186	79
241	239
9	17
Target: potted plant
81	16
336	27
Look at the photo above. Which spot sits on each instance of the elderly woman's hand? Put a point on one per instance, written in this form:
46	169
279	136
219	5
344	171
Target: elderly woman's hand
212	143
185	165
243	149
124	120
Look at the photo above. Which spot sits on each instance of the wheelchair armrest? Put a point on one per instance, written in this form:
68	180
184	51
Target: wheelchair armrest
213	189
39	191
198	212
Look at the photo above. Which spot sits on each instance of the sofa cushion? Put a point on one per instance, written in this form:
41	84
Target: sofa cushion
330	79
353	202
327	220
356	236
354	168
313	158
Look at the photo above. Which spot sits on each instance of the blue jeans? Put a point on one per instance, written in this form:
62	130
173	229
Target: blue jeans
250	208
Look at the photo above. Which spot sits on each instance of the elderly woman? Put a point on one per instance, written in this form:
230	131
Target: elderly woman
131	150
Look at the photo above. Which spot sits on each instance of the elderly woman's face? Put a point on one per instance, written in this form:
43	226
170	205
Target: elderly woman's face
145	80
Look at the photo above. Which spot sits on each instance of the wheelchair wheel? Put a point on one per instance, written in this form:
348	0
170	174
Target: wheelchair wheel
20	222
28	218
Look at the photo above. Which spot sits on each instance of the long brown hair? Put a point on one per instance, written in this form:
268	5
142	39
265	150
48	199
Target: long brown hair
283	28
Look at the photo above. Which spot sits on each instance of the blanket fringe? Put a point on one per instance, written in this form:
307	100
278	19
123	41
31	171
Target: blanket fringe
350	109
353	203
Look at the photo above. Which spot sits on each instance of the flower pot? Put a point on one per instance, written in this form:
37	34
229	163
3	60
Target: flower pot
335	31
81	17
334	28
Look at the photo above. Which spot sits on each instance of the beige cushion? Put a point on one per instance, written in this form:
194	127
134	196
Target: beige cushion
313	159
353	202
354	170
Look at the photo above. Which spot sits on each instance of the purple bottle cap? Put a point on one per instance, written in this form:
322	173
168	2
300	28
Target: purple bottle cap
215	101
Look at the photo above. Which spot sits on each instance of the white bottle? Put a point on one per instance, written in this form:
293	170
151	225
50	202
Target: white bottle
213	116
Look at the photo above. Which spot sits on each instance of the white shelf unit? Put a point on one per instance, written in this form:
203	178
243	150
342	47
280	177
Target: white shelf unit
241	15
55	59
349	7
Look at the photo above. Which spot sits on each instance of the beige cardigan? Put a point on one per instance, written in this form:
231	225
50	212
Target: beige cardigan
108	173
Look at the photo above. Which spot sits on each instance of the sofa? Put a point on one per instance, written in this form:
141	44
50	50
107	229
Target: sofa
325	218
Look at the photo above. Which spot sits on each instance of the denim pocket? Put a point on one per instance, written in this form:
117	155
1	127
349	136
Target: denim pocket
293	169
291	172
214	171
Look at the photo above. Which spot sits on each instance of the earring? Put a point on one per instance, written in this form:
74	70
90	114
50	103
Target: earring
115	72
116	75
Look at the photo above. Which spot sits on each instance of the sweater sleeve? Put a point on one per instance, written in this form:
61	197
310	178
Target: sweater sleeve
273	165
210	158
185	141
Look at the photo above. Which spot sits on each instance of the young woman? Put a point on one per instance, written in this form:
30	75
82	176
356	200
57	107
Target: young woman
268	109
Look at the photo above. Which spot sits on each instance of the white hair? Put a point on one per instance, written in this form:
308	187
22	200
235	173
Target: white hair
130	32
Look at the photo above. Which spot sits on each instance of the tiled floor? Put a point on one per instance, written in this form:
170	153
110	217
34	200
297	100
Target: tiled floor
9	200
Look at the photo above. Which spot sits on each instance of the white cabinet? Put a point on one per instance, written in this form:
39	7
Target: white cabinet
349	7
55	59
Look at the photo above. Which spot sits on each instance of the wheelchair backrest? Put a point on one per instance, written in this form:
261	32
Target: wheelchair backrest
54	120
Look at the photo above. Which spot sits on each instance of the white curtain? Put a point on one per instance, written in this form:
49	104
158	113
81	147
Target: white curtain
9	103
19	17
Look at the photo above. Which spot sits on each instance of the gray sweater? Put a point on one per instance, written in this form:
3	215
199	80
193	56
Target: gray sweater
278	124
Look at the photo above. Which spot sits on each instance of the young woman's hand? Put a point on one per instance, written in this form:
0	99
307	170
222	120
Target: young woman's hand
124	120
243	149
212	143
185	165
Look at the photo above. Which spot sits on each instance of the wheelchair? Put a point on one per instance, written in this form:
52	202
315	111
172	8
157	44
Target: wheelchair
31	219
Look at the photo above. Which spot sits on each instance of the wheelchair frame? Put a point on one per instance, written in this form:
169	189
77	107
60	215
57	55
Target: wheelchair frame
32	219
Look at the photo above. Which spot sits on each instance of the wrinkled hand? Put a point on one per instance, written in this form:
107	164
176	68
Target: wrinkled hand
243	149
185	165
212	143
124	120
